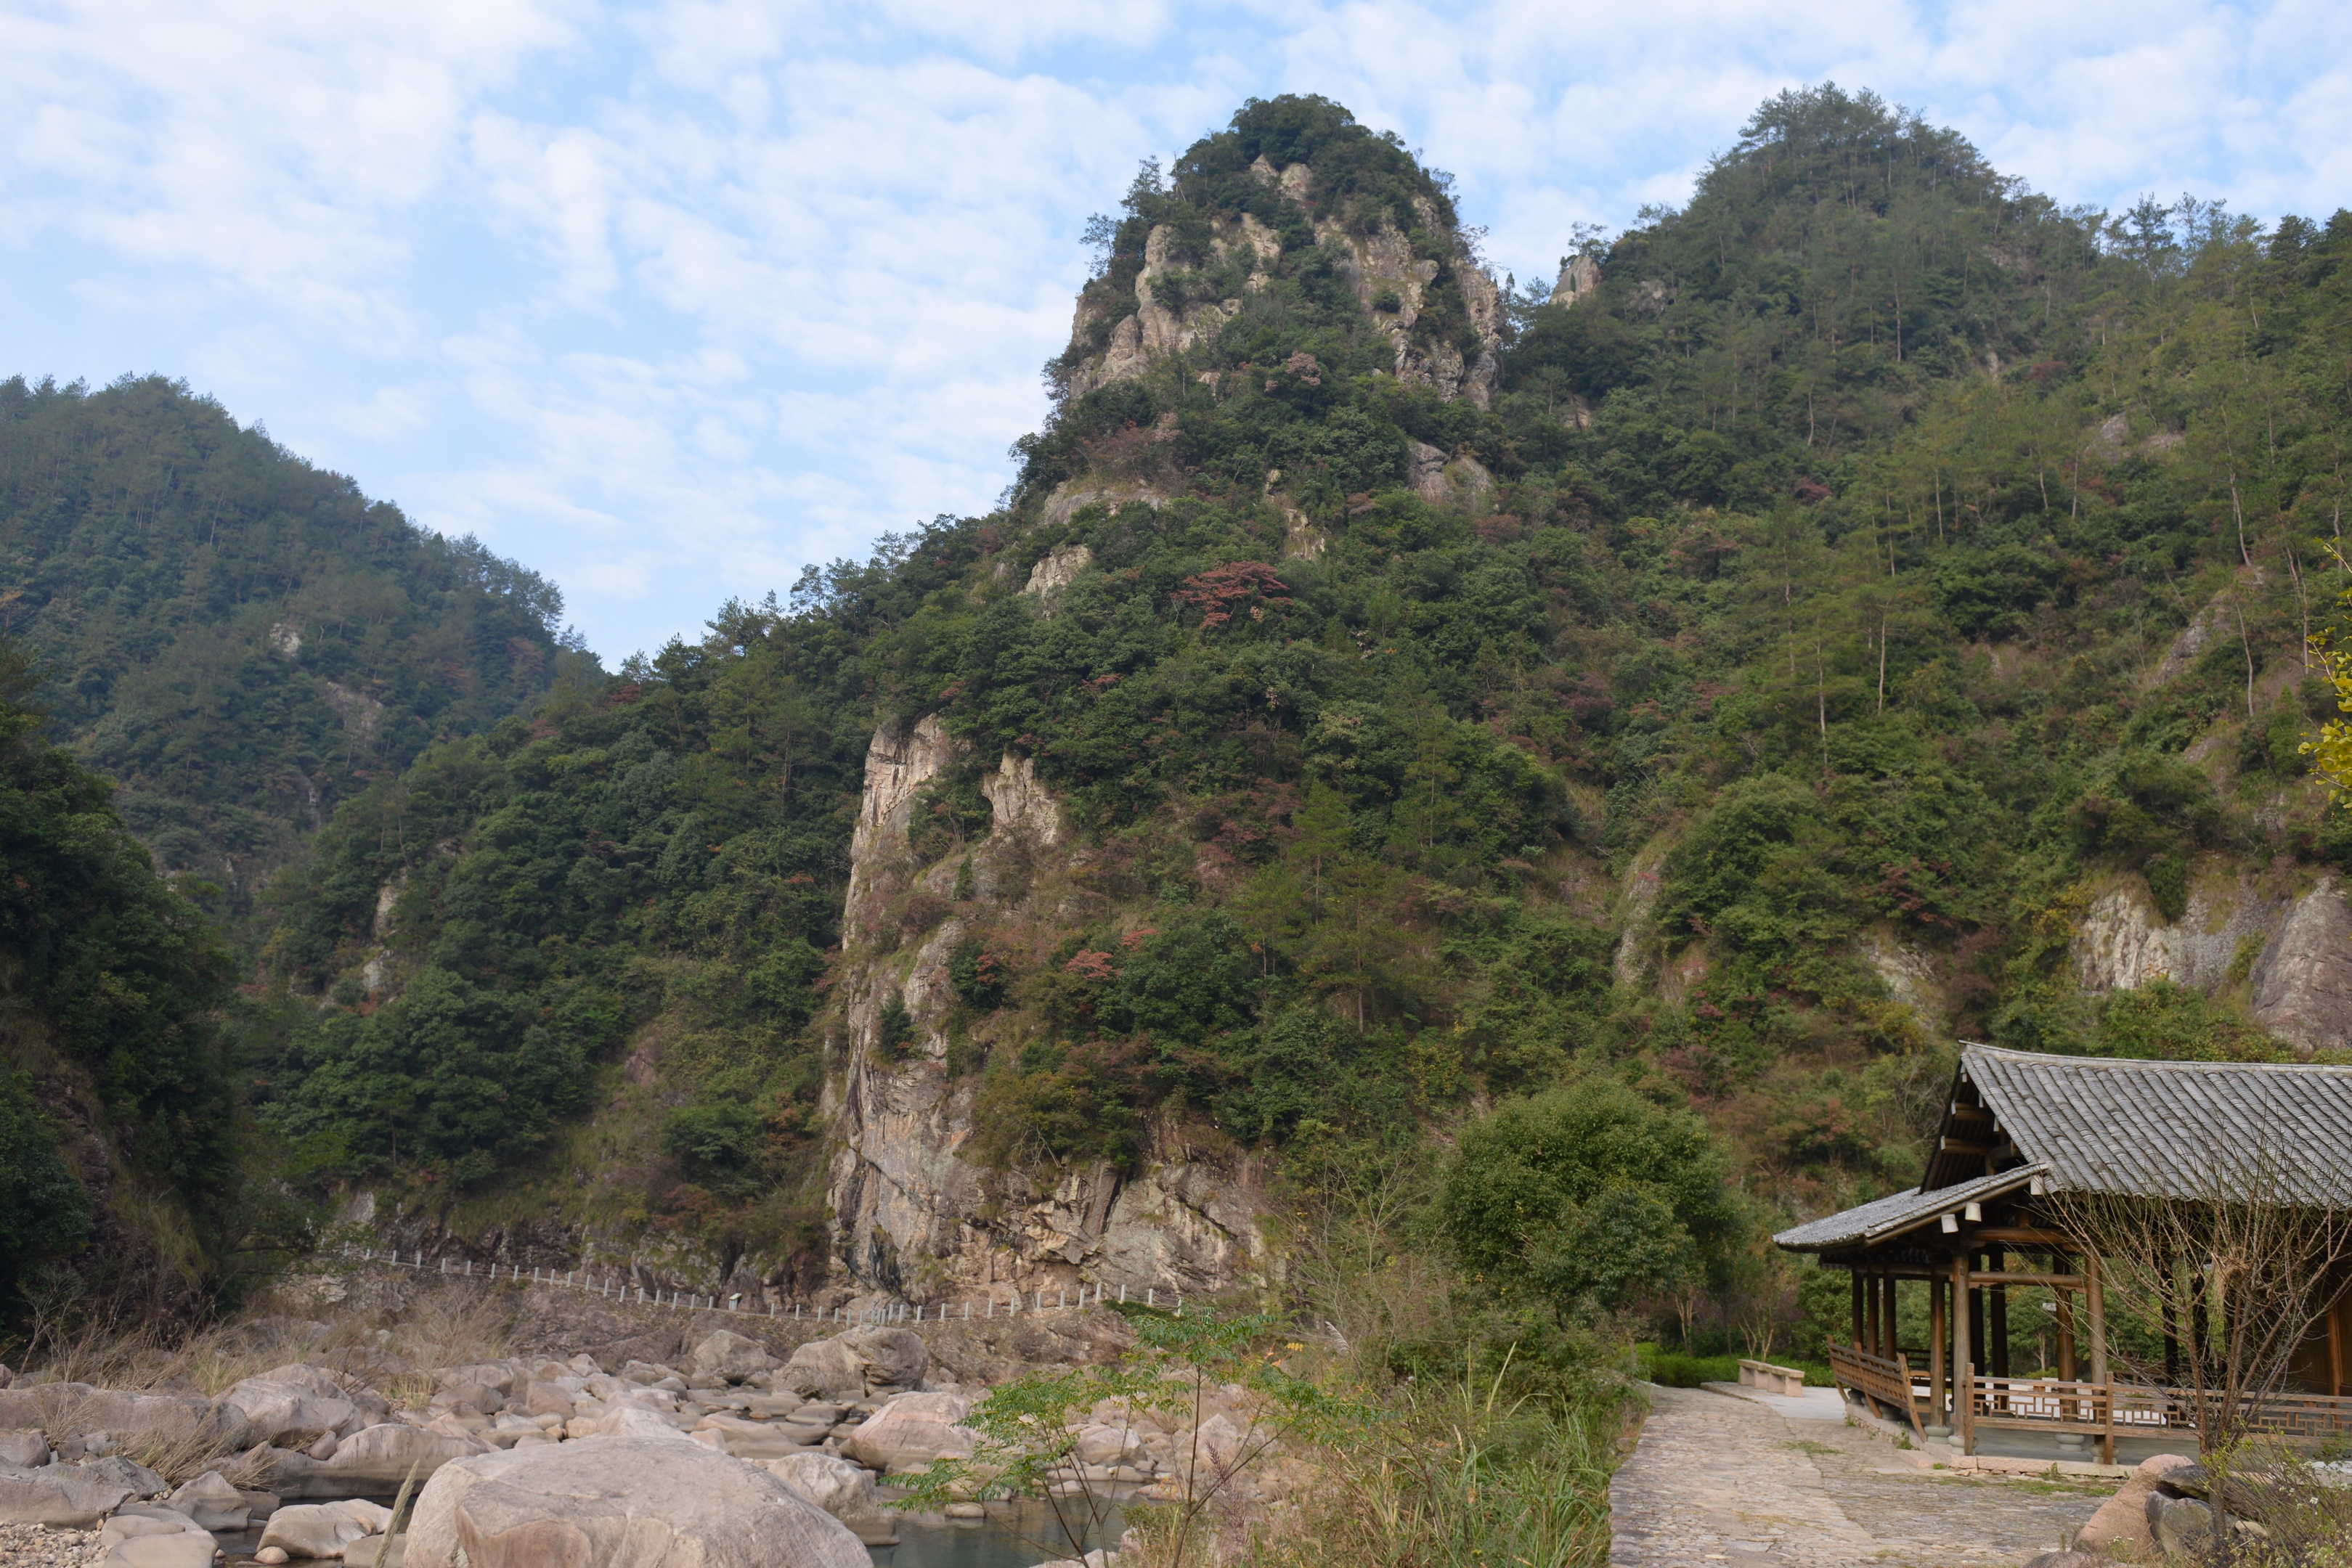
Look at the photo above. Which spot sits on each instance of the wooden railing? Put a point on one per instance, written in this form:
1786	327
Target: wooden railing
1886	1380
2051	1405
2041	1404
2129	1409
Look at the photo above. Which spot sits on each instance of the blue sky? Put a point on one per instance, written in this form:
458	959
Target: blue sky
666	299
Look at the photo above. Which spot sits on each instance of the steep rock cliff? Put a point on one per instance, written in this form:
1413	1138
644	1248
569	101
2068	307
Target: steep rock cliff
914	1212
2294	953
1393	280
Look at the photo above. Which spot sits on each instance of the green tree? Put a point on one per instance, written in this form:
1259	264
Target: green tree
1586	1194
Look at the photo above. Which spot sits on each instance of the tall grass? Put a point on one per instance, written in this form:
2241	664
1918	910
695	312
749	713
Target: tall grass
1460	1476
390	1348
1468	1435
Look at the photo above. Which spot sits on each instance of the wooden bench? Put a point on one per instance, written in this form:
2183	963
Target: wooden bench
1771	1379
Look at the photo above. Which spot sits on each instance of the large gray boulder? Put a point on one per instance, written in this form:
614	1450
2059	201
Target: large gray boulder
621	1501
824	1369
843	1490
373	1460
64	1497
145	1537
2127	1519
637	1421
69	1409
290	1411
497	1374
895	1358
910	1432
143	1482
2184	1527
25	1450
212	1503
324	1529
730	1355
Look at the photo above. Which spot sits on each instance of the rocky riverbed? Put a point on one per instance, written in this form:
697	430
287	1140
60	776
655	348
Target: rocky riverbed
298	1460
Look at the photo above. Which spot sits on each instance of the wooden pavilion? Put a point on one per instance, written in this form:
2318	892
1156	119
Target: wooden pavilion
2021	1134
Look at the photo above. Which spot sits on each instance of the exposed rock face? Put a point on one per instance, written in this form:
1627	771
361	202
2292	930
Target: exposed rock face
913	1218
896	765
1376	265
2122	942
1158	329
2296	953
621	1500
1908	972
1630	961
1021	804
1383	260
1055	572
1073	496
1580	276
2203	628
1436	478
2303	984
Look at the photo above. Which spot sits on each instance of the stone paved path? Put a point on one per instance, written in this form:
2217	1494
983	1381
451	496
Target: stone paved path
1721	1479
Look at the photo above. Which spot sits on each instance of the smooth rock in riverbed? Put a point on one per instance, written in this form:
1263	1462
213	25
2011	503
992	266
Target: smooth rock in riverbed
622	1499
823	1369
191	1549
375	1459
286	1412
730	1355
894	1358
68	1496
212	1503
26	1450
911	1431
635	1421
324	1529
843	1490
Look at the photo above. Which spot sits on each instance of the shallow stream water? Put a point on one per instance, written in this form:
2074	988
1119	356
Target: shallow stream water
1014	1535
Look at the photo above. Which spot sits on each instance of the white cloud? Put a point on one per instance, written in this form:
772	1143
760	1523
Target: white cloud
669	298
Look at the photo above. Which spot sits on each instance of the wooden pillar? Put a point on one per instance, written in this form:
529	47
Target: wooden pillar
2096	1298
1996	1351
2065	1336
1940	1386
1978	1339
1870	1312
1853	1277
1886	1317
1964	1395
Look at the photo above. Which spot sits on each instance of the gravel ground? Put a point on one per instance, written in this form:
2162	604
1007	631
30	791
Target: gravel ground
1721	1479
38	1546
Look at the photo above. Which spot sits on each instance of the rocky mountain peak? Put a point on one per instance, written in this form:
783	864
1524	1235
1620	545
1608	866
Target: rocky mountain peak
1231	245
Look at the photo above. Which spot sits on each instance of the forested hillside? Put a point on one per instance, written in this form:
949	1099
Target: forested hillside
240	639
125	1181
1738	672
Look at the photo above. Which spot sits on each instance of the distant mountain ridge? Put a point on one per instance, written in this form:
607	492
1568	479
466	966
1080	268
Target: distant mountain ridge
239	639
